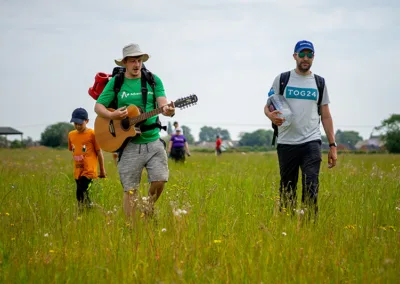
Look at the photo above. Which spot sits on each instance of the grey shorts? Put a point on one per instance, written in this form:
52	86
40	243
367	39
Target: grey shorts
135	157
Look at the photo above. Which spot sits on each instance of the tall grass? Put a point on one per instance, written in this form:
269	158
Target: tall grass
226	231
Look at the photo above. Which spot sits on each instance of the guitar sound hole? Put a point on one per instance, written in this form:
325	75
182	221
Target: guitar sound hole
125	124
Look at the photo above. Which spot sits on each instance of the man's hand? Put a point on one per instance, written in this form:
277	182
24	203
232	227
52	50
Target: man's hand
168	110
332	157
119	114
274	117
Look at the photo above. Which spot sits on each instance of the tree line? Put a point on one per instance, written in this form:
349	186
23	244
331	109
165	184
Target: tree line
56	135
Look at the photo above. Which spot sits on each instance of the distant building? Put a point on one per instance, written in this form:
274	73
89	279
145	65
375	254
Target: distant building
5	131
374	143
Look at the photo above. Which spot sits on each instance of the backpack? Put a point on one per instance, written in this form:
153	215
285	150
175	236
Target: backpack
283	81
102	79
146	77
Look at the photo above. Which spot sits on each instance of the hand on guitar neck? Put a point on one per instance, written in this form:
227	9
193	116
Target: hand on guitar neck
168	109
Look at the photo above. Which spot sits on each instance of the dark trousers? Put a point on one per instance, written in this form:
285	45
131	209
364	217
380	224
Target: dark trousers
307	157
178	154
82	193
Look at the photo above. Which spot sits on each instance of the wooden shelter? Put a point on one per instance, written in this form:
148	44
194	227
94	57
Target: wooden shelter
10	131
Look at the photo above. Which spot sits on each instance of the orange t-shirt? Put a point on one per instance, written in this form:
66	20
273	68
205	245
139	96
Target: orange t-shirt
84	151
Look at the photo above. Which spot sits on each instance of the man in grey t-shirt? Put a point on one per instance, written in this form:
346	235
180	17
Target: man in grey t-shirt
299	144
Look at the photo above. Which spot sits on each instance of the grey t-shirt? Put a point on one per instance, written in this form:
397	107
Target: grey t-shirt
302	95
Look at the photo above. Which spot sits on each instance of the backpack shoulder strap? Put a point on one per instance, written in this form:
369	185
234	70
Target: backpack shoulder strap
283	81
118	81
148	77
320	81
144	91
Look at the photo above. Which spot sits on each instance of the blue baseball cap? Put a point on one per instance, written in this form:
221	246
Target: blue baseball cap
79	115
303	44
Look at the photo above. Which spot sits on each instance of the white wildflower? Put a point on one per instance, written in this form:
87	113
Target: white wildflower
284	233
46	235
178	212
163	230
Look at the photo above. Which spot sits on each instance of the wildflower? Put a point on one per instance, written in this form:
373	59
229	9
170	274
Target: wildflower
178	212
350	227
217	241
8	214
163	230
51	251
398	208
79	218
130	192
284	233
12	225
13	239
46	235
142	215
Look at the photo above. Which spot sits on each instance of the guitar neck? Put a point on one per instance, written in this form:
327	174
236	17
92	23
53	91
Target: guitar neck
144	116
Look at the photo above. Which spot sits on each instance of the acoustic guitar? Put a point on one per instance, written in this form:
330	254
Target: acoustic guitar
111	134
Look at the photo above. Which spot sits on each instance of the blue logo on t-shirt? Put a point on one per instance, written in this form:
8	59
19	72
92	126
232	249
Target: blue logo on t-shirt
301	93
271	92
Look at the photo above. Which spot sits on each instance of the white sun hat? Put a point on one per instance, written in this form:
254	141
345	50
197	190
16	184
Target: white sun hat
133	50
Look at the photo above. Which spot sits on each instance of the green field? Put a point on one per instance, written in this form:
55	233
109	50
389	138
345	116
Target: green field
231	232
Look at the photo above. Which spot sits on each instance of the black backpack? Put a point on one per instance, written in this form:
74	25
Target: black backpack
146	77
283	81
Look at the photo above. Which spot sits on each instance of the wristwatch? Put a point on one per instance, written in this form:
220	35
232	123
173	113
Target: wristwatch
333	144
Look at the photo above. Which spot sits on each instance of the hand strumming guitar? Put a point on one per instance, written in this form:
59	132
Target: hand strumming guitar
119	114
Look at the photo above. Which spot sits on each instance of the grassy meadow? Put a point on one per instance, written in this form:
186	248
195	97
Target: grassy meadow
216	222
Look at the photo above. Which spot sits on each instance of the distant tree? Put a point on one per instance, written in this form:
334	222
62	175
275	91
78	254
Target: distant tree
3	142
56	135
391	128
260	137
324	139
347	137
188	134
208	134
17	144
28	142
169	129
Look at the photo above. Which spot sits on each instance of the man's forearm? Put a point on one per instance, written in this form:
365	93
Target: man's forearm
266	111
327	123
102	111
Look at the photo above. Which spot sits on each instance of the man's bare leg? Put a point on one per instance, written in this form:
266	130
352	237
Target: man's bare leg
130	203
155	190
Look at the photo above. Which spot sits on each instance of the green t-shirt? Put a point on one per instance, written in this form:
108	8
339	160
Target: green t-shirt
131	94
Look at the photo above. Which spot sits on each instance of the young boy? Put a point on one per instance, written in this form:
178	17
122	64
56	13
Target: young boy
86	152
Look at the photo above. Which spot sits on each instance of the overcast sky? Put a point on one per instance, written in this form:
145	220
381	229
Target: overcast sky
227	52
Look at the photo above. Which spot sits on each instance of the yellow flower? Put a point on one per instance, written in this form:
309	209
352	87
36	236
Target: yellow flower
13	239
51	251
8	214
130	191
142	215
217	241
